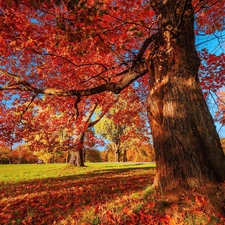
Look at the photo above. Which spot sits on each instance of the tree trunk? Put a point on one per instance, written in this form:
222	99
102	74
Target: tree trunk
67	156
124	155
19	160
117	156
187	146
72	160
84	155
10	155
77	156
116	148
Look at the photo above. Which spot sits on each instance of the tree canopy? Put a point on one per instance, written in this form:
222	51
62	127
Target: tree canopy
79	48
92	46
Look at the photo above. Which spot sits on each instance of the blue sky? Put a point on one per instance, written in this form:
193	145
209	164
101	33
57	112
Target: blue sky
215	45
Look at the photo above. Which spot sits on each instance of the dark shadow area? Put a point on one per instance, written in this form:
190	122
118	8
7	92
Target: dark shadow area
44	201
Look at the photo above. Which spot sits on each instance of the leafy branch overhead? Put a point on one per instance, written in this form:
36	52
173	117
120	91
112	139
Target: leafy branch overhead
100	48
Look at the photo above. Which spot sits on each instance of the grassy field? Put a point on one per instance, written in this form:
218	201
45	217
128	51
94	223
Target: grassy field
100	193
26	172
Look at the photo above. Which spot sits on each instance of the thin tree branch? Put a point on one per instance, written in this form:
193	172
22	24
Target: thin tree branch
91	124
74	64
76	106
116	87
218	97
181	15
143	48
27	107
202	5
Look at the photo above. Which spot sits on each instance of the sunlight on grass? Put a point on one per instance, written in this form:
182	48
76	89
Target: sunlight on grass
58	192
24	172
98	194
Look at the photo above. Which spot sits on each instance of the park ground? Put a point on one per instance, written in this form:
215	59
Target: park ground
100	193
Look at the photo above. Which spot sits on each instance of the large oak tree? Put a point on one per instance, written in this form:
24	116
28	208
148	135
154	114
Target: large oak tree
81	48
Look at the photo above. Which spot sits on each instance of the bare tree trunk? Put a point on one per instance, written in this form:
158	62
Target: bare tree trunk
77	158
73	159
53	158
19	160
67	156
84	155
187	146
77	155
80	157
10	155
124	155
117	151
117	157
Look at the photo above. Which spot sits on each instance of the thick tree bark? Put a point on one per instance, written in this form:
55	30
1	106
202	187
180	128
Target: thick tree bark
187	146
76	158
72	160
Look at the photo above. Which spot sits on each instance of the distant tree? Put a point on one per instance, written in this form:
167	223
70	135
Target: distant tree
142	152
114	133
77	155
92	155
4	154
108	155
80	128
135	152
22	154
44	156
121	129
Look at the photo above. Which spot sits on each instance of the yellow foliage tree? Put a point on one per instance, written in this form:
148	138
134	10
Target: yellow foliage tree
122	130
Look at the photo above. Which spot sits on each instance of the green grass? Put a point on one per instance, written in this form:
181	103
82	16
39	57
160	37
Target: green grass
24	172
100	193
63	194
14	173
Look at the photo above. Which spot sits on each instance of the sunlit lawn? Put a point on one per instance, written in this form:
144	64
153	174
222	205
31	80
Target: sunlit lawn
100	193
26	172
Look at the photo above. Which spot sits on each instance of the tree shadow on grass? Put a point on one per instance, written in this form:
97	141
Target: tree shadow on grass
44	201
